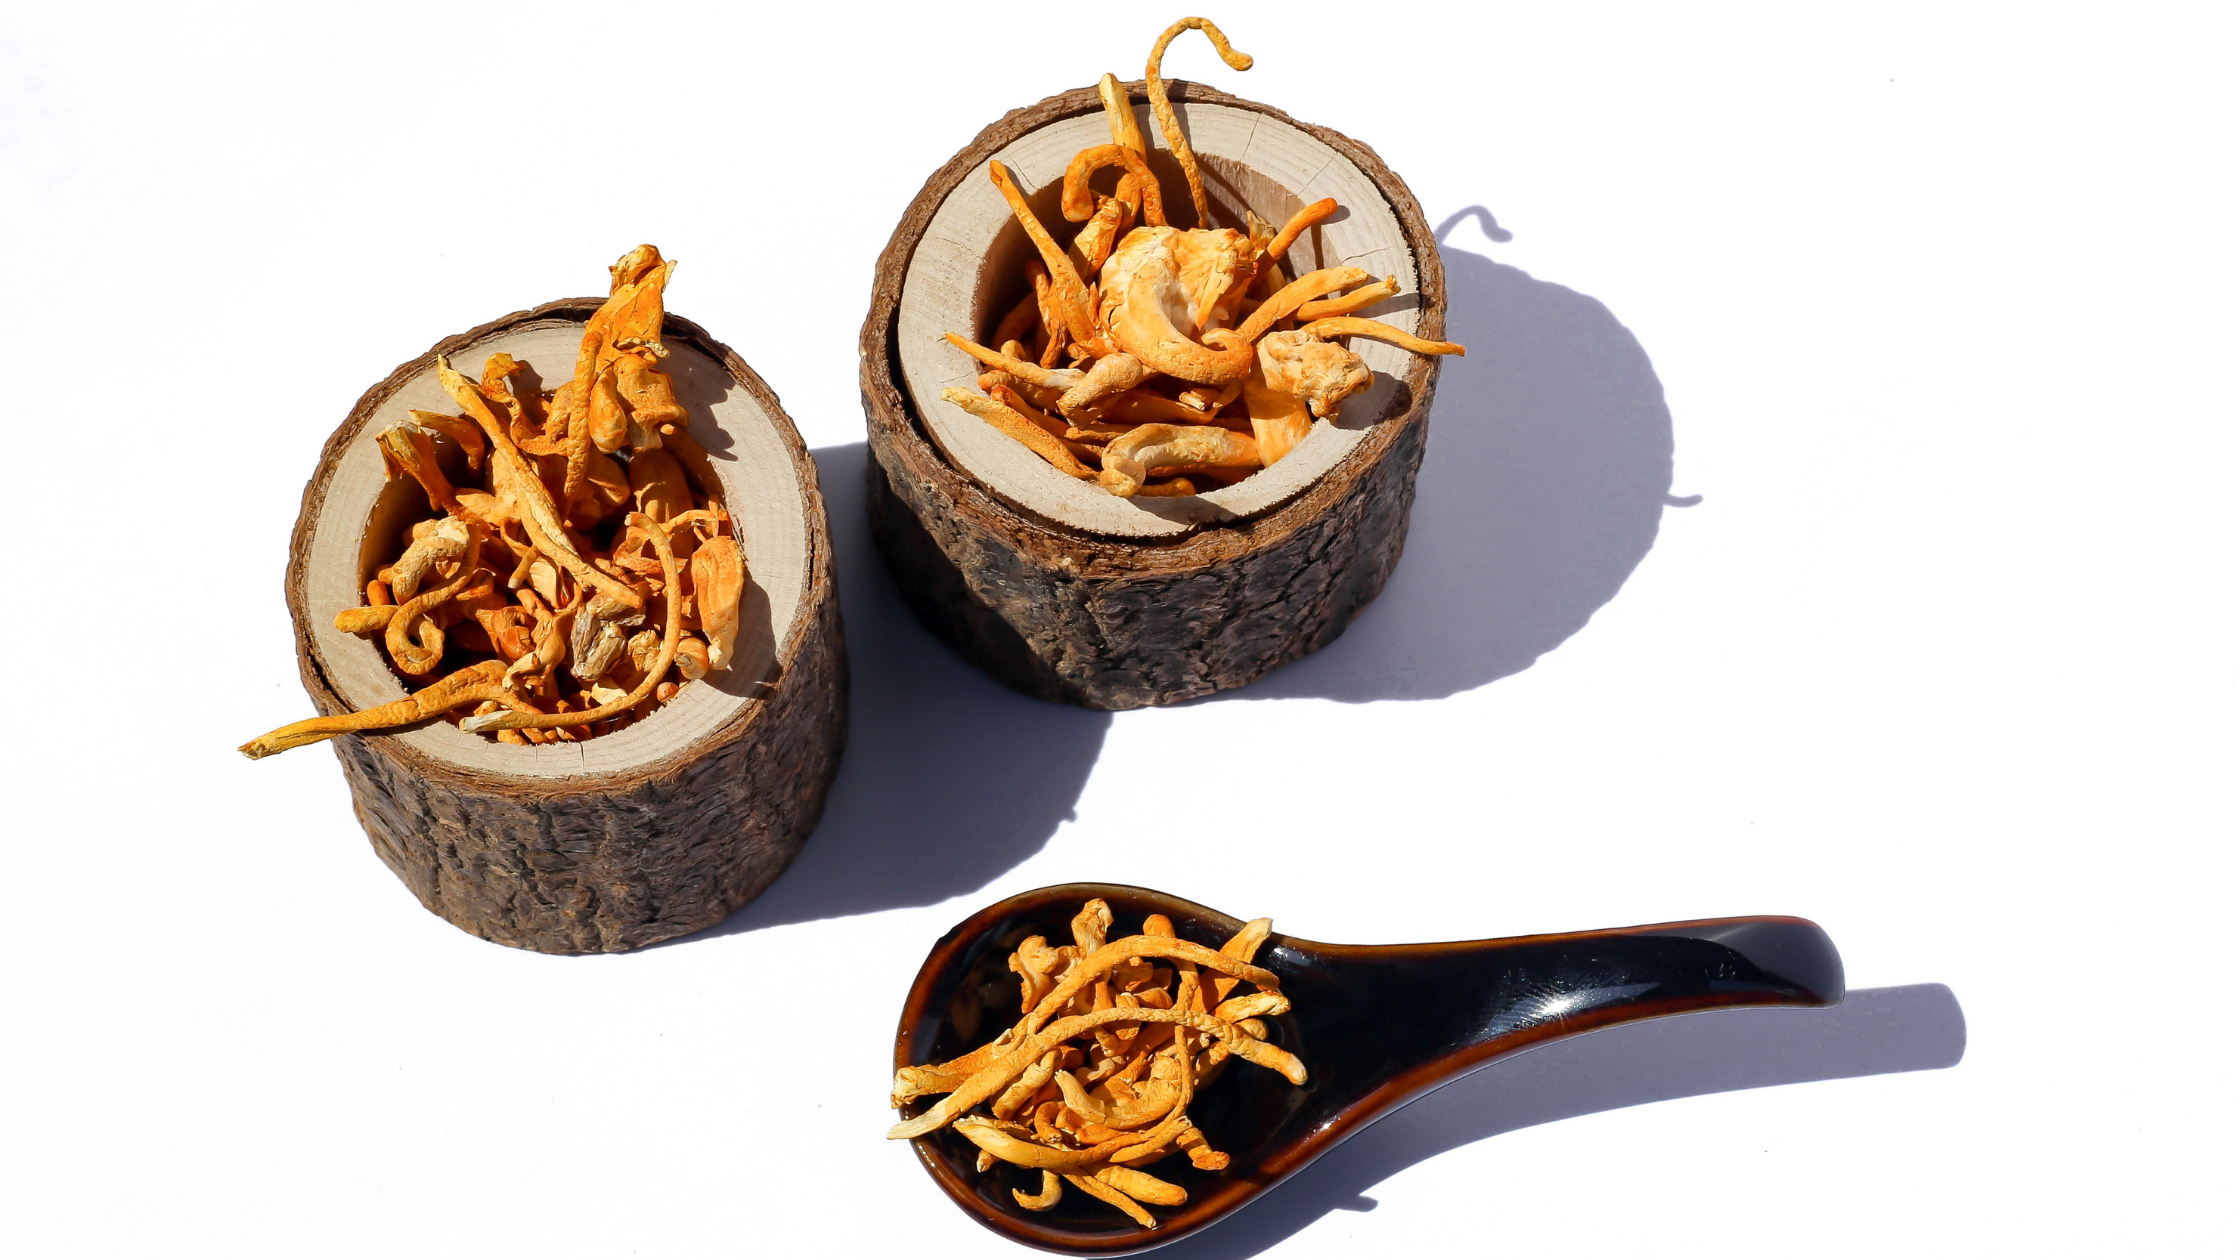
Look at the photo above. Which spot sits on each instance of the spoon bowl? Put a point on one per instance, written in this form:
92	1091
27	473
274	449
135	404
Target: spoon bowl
1377	1026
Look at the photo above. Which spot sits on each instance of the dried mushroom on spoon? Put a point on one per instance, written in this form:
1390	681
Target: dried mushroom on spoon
1116	1038
591	575
1159	361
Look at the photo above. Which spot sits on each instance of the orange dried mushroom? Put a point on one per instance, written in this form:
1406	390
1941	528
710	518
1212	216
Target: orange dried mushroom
1148	316
526	592
1094	1080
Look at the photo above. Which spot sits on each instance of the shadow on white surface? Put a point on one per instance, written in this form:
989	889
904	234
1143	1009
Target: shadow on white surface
1547	472
1909	1028
950	778
1546	477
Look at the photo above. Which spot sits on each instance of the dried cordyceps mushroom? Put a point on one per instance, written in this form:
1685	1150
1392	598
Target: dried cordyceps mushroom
1186	352
1116	1038
595	572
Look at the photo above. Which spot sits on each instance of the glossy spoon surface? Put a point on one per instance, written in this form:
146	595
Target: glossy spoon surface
1376	1025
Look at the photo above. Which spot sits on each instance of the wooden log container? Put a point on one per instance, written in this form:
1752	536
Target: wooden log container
629	838
1054	585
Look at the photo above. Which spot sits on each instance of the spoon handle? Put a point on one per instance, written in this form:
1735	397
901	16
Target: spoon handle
1398	1021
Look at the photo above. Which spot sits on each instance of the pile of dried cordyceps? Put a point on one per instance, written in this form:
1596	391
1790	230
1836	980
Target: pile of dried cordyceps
1191	361
554	607
1118	1037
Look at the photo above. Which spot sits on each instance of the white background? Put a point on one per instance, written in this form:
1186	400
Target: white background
1940	300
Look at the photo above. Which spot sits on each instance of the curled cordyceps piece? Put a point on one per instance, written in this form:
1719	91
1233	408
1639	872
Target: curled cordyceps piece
1113	375
1115	1042
526	595
1157	325
1169	125
414	639
1131	460
432	542
1079	204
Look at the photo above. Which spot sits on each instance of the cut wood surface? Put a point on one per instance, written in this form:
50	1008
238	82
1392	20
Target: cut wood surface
655	830
1060	588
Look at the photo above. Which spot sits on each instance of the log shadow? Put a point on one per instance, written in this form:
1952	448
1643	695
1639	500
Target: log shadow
950	778
1546	474
1910	1028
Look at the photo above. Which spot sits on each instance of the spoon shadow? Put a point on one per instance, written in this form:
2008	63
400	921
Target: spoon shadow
1910	1028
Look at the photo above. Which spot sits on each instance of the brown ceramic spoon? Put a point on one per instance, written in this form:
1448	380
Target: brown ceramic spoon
1376	1025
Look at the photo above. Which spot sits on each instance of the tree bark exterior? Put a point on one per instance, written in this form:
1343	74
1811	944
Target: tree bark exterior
1064	614
604	862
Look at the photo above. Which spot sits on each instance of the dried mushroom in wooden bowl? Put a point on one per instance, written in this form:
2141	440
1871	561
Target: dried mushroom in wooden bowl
587	578
1164	359
1148	372
563	598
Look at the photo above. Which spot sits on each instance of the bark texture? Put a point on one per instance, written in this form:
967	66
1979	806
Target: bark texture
1063	614
604	862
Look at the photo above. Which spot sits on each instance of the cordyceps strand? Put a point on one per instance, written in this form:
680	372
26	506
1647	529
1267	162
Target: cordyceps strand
1163	110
